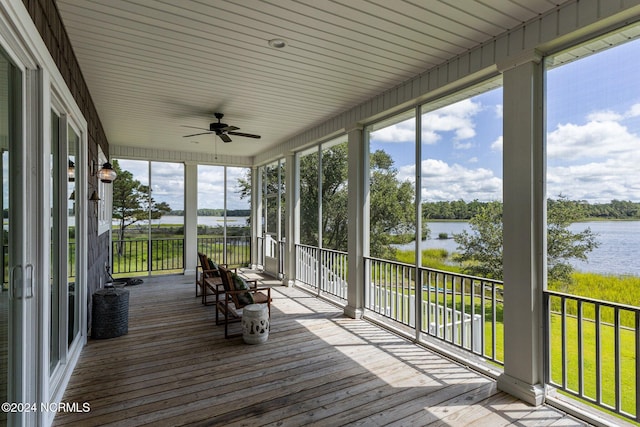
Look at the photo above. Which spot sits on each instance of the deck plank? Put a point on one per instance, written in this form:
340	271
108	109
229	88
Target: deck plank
174	367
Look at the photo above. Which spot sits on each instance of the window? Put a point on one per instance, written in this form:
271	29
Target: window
392	185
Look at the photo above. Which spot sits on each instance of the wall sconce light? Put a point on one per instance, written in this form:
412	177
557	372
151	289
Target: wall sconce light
105	174
71	171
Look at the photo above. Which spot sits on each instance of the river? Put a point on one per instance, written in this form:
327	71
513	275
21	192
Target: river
232	221
619	242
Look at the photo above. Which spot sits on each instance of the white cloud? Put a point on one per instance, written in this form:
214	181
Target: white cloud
499	111
473	160
400	132
595	139
604	116
442	181
596	161
497	144
634	111
457	118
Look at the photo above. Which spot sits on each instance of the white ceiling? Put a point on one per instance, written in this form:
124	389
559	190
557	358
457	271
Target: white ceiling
154	66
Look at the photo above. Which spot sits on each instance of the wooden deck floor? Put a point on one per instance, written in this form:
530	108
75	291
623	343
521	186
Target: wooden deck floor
318	368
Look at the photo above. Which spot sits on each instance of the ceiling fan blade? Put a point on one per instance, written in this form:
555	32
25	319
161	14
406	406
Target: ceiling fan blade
193	127
196	134
229	128
224	137
247	135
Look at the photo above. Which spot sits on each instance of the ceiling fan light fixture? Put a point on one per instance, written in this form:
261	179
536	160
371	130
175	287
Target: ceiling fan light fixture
277	43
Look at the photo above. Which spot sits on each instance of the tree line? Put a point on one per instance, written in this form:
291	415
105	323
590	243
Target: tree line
462	210
215	212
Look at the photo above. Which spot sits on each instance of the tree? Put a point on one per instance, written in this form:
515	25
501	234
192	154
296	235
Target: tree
334	195
481	251
392	212
132	202
562	244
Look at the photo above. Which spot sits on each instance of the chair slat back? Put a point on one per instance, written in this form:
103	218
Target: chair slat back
228	283
206	268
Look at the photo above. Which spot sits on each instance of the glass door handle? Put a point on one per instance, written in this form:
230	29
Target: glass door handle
29	281
17	288
15	282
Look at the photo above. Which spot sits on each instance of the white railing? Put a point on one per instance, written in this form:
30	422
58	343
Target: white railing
322	269
440	321
464	311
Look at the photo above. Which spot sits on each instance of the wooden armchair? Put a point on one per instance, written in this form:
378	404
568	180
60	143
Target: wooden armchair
236	299
208	280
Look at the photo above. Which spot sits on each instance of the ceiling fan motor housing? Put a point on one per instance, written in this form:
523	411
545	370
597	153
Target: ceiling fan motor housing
215	127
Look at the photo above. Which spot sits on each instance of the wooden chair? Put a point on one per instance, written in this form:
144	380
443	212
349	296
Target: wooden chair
233	302
208	281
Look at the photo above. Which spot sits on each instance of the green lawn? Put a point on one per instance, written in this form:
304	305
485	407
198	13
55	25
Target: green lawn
607	358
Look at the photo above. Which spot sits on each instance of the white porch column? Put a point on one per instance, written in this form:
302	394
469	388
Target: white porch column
358	216
524	227
256	215
292	217
190	217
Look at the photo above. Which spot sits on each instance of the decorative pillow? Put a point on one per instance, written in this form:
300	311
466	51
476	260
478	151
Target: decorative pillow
213	266
244	298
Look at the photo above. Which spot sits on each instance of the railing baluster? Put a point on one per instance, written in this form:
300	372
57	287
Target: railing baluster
493	322
617	367
483	309
636	355
580	350
563	334
598	356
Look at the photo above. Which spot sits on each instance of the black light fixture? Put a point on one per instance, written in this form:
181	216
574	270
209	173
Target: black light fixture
107	174
71	171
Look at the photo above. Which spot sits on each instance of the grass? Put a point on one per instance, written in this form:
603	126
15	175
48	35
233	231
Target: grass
167	255
607	360
439	259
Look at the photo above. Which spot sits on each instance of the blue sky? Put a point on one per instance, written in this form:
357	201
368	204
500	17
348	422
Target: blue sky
593	136
593	141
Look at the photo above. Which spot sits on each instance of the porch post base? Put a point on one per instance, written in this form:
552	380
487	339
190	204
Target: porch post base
532	394
352	312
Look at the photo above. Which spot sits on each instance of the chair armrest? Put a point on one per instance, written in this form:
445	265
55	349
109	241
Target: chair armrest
229	294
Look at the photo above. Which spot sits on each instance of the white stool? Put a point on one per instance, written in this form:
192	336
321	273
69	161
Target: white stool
255	323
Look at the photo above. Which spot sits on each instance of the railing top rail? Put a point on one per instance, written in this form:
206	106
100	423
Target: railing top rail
402	264
466	276
146	239
322	249
435	270
593	301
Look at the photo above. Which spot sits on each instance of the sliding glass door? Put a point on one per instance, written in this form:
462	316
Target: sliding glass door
17	278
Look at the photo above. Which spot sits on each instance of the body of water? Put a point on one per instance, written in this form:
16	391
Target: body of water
232	221
619	242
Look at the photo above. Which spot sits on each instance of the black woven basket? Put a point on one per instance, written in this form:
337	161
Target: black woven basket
110	314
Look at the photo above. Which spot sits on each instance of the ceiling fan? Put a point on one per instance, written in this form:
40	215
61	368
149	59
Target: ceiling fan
223	130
